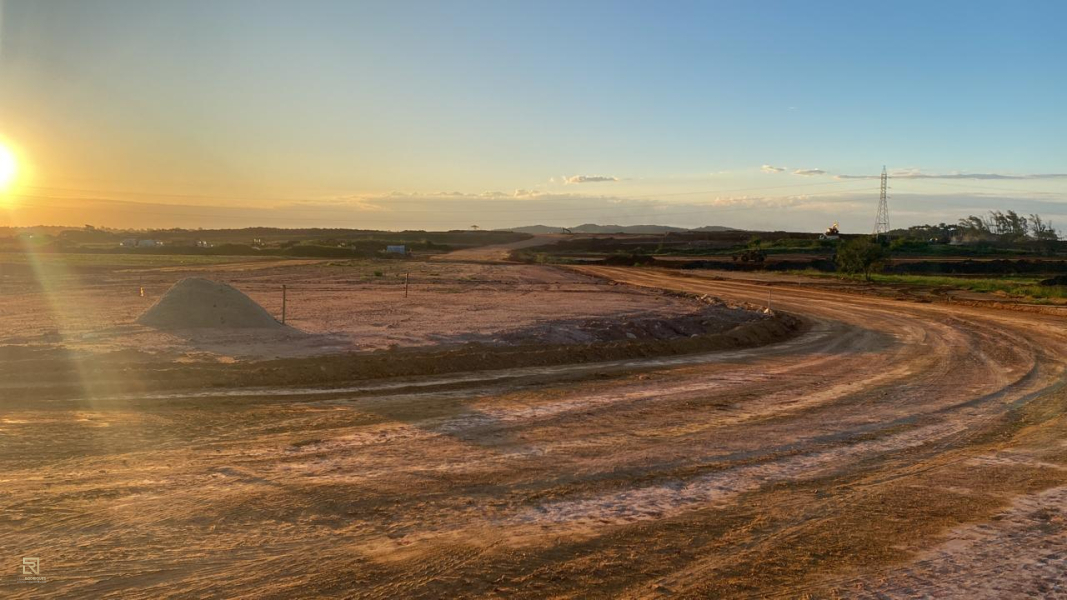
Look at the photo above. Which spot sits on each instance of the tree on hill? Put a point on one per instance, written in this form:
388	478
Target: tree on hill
861	255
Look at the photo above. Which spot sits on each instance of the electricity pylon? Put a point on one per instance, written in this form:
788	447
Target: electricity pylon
881	222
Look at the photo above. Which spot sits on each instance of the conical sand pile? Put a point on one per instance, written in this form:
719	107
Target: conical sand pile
199	303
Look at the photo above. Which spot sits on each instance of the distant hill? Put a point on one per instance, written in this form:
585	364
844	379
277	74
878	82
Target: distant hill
593	228
535	229
710	228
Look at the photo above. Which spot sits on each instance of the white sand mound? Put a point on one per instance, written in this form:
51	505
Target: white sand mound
197	303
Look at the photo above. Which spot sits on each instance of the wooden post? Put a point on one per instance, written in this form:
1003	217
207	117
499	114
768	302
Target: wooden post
283	303
406	275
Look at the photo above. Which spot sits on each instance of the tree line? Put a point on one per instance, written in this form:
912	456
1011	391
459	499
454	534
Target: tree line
996	226
863	256
1007	226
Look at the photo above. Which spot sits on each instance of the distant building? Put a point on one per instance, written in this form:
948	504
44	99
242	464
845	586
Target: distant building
396	249
148	243
204	244
128	243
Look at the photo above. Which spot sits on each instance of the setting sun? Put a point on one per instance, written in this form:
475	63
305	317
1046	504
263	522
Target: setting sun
8	168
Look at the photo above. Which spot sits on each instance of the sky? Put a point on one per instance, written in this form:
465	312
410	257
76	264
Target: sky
447	114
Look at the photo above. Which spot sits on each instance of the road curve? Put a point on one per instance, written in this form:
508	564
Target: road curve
850	461
953	378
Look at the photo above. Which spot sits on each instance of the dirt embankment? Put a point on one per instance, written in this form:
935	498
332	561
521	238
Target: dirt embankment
480	357
127	372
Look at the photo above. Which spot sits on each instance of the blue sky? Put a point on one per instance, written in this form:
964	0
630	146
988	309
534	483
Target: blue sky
444	114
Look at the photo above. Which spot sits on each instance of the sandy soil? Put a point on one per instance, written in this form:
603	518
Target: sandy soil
885	452
335	306
1020	553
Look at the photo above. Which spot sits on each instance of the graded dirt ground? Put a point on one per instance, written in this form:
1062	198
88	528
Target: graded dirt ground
894	448
93	303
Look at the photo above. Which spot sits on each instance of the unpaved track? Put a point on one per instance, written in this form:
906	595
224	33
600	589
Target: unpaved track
496	253
825	464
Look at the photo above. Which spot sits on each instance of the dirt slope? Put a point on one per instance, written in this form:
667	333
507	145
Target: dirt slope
195	303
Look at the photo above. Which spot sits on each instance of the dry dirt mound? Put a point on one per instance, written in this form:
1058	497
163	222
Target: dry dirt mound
198	303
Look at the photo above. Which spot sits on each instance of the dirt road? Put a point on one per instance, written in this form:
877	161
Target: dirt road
895	449
498	252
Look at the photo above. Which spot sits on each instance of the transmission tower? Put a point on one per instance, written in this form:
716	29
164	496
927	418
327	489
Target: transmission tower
881	222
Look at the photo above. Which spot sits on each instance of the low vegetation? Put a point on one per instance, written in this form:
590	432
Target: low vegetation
1016	287
999	232
861	256
253	241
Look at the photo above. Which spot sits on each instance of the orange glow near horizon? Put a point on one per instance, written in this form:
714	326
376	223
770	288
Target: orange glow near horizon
8	168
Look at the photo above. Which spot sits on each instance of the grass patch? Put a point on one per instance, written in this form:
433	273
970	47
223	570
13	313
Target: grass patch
1016	287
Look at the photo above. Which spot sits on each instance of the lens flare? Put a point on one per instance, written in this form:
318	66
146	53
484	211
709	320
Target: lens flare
8	168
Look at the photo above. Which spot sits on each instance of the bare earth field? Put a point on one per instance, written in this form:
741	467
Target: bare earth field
335	306
886	448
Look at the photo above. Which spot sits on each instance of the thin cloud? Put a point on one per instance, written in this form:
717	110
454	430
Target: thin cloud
771	169
589	179
809	172
973	176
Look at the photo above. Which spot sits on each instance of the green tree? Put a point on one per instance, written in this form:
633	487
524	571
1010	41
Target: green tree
1041	229
861	255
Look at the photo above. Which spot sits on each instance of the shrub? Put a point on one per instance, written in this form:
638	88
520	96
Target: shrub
861	255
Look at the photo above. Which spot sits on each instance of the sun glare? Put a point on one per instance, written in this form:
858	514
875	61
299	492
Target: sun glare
8	168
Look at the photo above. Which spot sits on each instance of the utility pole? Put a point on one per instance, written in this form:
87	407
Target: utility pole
881	222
